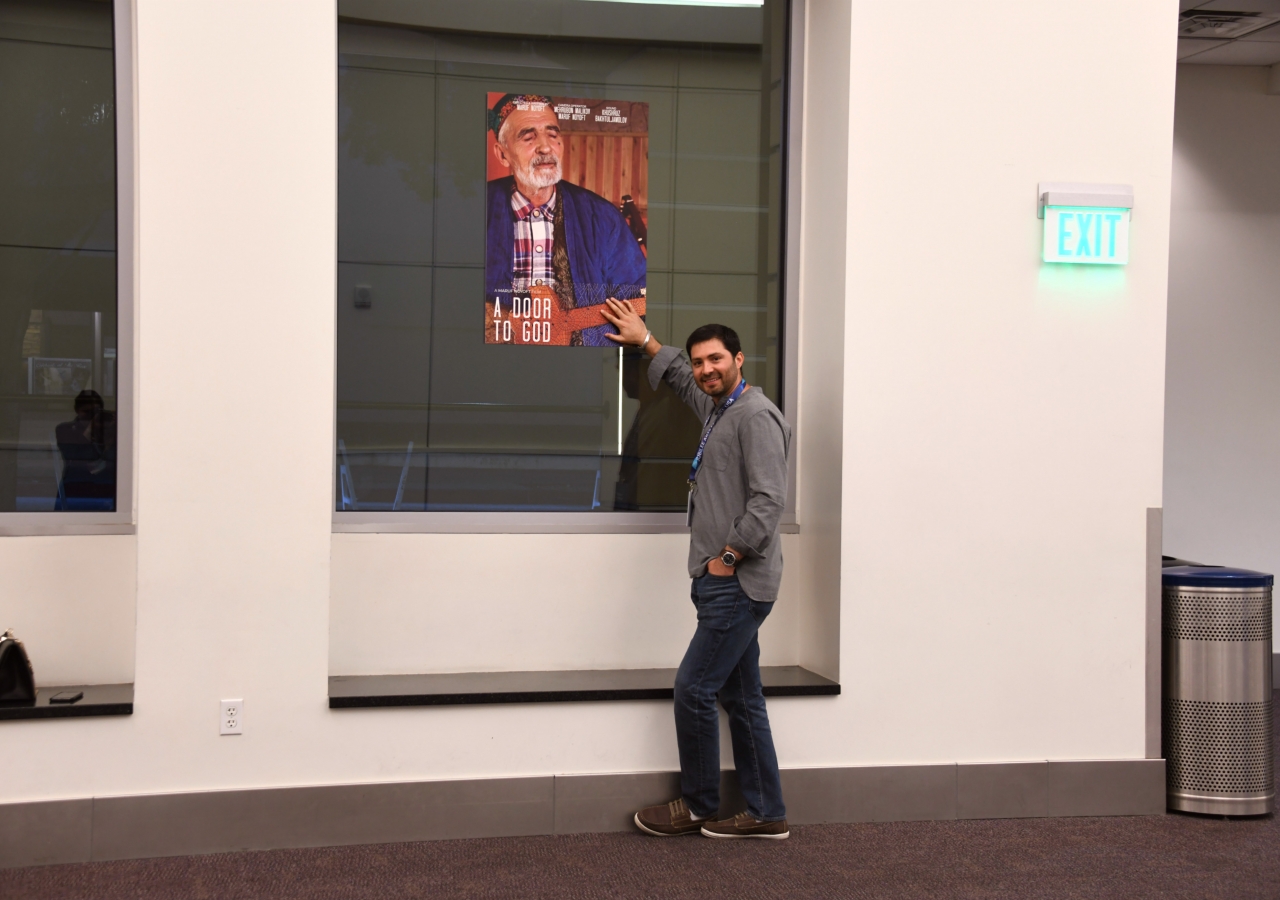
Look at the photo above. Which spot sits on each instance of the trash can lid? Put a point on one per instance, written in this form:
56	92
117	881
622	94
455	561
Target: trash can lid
1215	576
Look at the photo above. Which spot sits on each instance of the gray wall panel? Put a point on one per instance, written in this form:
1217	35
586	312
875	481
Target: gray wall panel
42	834
151	825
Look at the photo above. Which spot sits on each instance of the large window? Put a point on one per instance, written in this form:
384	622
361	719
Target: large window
672	115
58	320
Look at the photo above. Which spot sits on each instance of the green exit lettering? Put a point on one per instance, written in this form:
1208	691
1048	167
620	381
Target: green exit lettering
1078	235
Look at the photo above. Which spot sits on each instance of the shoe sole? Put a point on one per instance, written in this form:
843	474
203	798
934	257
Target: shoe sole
767	837
648	830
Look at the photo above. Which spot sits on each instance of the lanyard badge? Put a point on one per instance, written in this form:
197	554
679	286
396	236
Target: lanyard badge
710	424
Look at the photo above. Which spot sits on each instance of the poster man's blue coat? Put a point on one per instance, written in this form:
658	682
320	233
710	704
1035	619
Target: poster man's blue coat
604	257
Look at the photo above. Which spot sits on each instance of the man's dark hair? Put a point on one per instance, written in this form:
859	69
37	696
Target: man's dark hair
88	398
722	333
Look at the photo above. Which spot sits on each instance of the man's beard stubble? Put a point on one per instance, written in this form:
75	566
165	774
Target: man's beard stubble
727	383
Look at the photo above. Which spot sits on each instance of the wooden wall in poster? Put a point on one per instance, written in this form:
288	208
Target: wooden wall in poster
611	165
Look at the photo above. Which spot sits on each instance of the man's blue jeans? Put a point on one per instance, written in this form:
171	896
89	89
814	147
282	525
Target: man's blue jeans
723	660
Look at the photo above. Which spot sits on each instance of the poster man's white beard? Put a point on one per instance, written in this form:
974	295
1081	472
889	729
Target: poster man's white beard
537	173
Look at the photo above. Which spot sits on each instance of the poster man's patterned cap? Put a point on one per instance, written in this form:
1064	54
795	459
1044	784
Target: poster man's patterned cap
509	103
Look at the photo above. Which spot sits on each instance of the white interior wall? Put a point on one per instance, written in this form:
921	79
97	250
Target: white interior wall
70	600
998	421
1222	412
406	603
1002	416
826	208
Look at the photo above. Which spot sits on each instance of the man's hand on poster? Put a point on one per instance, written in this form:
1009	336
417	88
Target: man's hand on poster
631	328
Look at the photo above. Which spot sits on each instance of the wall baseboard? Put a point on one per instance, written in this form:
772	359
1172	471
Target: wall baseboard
150	825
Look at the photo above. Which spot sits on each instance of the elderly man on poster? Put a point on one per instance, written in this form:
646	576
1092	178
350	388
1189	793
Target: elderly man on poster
548	237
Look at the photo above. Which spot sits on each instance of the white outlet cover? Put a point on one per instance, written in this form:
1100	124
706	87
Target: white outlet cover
231	717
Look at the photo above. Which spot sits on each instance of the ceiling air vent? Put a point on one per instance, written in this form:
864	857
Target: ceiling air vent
1222	25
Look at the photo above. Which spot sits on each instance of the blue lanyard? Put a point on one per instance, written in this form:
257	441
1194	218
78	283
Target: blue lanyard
710	424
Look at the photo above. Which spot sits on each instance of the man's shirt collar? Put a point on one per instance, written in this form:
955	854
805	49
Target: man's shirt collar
524	208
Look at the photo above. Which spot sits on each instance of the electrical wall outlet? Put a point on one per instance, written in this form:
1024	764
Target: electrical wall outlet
231	717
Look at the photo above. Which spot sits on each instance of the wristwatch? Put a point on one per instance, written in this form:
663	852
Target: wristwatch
729	558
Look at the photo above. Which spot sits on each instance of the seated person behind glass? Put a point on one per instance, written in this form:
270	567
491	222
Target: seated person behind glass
88	448
635	221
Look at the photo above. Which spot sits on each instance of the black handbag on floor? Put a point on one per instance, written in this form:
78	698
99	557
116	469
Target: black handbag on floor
17	681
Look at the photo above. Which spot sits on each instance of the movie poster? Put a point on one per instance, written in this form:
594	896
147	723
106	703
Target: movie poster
567	217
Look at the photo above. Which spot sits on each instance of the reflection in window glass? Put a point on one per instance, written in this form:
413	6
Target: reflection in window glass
57	257
430	416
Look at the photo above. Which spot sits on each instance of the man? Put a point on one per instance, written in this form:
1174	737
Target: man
87	445
549	238
738	488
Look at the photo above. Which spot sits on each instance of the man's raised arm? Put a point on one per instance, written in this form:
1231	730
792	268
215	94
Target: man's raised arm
667	362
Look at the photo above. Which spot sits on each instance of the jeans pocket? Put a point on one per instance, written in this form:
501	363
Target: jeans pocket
719	600
716	585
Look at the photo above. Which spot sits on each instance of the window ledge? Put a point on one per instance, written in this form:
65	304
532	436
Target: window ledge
565	686
517	523
98	700
34	524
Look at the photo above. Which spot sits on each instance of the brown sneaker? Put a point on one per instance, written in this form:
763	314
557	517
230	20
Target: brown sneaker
743	826
668	820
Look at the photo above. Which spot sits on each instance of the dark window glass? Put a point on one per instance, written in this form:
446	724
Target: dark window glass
430	416
57	257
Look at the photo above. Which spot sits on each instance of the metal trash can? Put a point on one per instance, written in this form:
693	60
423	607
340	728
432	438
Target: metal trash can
1217	690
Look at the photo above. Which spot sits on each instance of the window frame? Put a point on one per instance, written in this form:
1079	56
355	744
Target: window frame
123	520
520	522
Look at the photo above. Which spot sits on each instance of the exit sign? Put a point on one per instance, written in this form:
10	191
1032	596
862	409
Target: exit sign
1094	235
1085	223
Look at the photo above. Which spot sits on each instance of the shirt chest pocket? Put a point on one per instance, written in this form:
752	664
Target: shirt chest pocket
719	451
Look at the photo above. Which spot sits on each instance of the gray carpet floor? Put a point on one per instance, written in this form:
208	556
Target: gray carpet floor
1169	857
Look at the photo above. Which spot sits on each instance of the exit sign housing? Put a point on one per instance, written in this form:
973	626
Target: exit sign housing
1086	224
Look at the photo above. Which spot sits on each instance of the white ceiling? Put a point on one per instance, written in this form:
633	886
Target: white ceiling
1257	48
